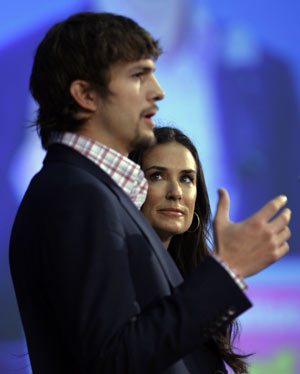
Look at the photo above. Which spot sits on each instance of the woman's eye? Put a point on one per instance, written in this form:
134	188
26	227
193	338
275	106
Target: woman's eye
155	176
187	179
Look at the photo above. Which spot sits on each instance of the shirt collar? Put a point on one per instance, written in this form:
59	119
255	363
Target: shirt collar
124	172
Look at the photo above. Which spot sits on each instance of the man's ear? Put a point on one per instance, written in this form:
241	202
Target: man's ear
85	97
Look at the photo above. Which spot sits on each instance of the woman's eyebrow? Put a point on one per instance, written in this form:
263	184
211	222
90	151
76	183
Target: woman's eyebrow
189	171
162	168
156	168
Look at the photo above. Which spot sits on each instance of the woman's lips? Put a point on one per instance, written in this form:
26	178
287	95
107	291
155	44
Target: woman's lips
172	212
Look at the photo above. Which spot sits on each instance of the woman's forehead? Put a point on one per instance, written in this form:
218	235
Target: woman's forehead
169	155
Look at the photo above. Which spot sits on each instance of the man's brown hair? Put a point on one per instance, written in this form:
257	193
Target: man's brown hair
84	46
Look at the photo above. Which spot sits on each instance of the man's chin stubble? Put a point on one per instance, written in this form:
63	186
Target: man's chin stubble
141	141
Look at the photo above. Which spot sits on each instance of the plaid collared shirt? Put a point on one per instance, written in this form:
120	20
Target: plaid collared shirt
124	172
234	275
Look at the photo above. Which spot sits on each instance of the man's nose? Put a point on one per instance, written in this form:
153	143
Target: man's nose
157	91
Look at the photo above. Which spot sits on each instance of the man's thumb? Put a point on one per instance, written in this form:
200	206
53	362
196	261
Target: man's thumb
222	212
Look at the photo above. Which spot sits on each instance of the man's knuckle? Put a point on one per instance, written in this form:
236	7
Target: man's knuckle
274	256
268	235
285	218
275	206
273	245
256	225
283	250
288	232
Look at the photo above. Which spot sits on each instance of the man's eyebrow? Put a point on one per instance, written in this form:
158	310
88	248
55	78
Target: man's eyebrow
143	68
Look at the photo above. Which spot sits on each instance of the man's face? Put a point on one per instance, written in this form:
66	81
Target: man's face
125	117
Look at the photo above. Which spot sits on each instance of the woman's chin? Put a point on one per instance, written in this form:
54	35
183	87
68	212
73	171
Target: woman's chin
167	232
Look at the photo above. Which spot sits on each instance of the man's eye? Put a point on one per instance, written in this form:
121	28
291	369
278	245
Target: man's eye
137	75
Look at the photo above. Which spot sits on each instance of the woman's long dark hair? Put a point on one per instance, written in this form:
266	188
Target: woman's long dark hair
190	248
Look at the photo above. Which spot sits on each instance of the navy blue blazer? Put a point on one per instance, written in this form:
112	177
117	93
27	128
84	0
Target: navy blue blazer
97	291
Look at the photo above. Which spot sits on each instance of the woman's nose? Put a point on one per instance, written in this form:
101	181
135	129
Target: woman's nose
174	192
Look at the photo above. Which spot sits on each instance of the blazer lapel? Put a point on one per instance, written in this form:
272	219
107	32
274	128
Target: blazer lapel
62	153
166	261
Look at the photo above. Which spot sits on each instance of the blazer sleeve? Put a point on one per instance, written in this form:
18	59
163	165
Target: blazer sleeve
87	280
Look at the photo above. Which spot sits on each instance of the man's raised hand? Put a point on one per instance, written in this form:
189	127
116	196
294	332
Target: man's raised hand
253	244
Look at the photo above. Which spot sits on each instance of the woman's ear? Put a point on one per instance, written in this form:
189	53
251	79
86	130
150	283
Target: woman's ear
85	97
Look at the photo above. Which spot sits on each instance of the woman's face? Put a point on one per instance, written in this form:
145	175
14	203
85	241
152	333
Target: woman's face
171	172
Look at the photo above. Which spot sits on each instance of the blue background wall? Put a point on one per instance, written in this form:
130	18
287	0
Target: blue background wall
231	73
